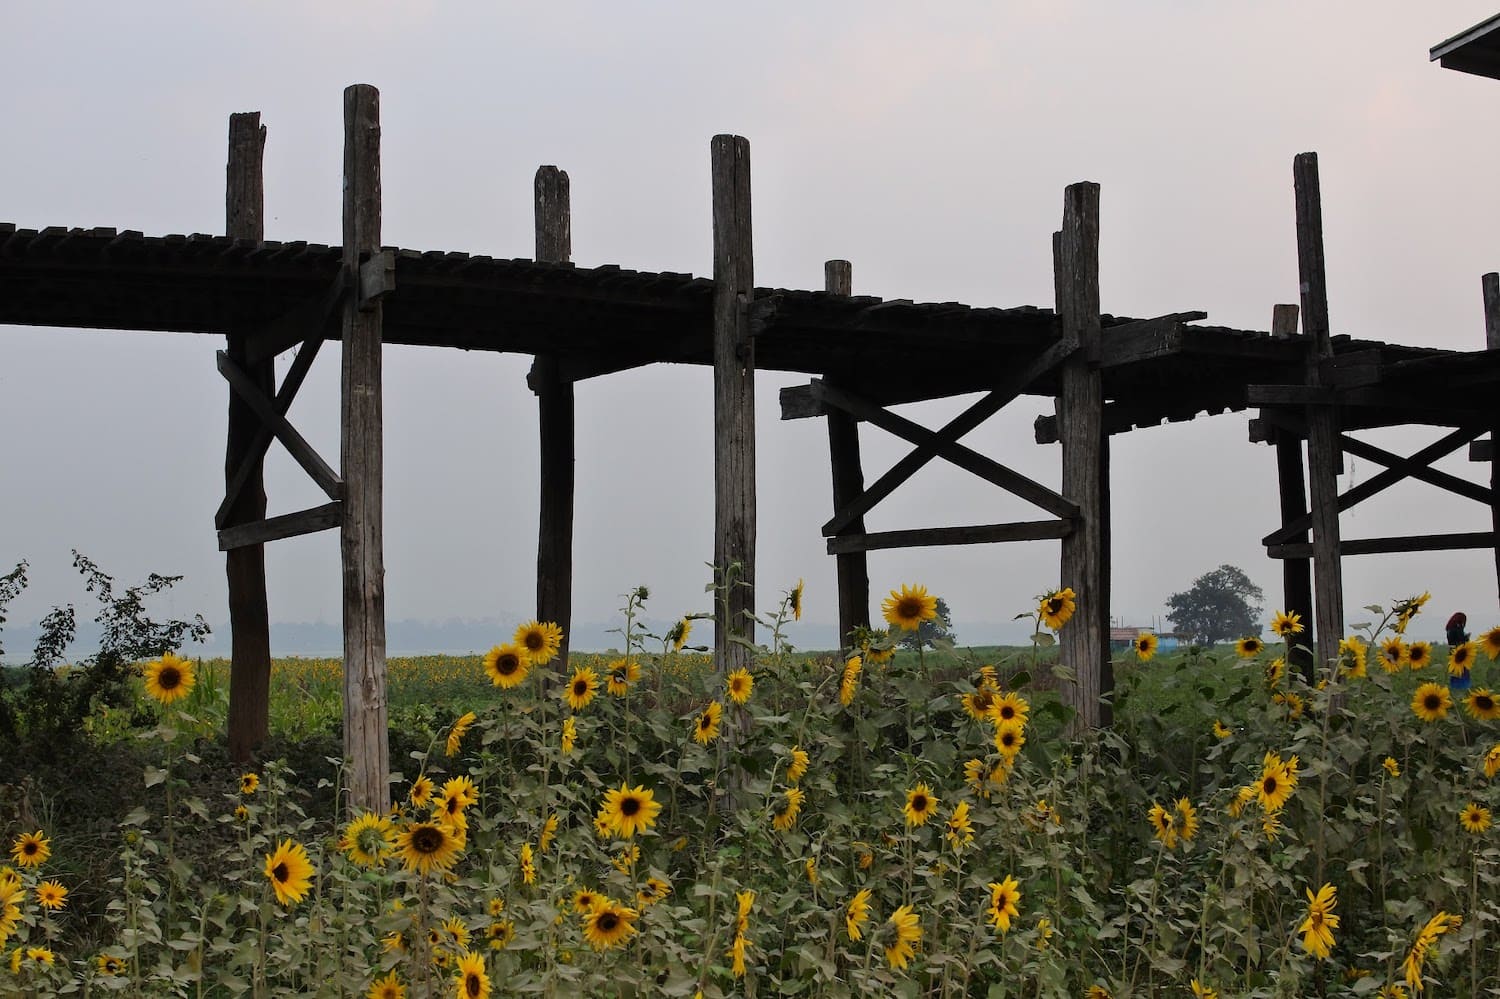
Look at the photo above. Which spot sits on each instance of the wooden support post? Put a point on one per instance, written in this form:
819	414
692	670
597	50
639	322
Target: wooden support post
366	747
848	482
734	402
1296	574
554	548
1491	285
1323	455
1085	471
245	568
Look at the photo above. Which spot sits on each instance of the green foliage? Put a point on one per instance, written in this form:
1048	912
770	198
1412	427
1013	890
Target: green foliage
1220	604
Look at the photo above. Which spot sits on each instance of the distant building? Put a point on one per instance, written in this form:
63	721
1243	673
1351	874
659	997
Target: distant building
1123	638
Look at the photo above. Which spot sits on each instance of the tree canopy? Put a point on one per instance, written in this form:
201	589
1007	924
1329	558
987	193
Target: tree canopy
1221	604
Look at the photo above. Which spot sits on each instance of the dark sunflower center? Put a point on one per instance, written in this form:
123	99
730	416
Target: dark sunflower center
427	839
279	873
1484	703
1432	702
29	848
608	922
170	678
507	665
629	806
919	803
451	805
1269	785
471	984
534	641
1007	712
1054	605
580	687
910	607
705	722
618	677
1008	738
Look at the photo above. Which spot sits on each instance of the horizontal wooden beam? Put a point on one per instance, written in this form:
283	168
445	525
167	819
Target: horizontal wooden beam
1030	530
1380	546
288	525
1144	339
296	445
1288	395
317	316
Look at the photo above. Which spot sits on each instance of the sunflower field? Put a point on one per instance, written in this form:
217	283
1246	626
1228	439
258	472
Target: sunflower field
643	824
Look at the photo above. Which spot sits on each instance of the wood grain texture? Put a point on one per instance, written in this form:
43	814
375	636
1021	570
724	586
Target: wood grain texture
1026	530
248	720
1323	456
848	482
1291	486
366	747
1490	286
1380	546
555	428
287	525
734	398
1085	551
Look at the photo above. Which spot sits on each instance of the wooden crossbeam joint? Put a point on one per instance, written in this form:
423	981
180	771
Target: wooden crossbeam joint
296	445
1382	546
1030	530
303	322
288	525
377	278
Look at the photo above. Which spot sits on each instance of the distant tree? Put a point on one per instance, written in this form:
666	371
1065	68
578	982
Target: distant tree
928	632
1220	604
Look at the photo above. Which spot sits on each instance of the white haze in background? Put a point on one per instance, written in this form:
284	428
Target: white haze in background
930	148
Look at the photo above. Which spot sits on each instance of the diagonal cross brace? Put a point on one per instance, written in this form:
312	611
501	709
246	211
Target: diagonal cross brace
295	444
1400	469
944	442
1432	476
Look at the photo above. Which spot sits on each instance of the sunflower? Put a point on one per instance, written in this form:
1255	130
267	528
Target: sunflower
655	890
1097	992
908	607
1474	818
1419	655
609	925
678	634
630	810
798	765
428	846
875	652
462	789
1275	672
810	867
540	641
1427	938
978	703
1276	783
110	966
1009	738
1145	646
586	901
1431	702
1293	703
506	665
744	901
795	600
622	673
420	792
1286	623
389	987
1482	704
850	683
1005	903
249	783
456	733
241	813
40	955
1242	797
1492	761
471	981
31	849
1317	929
1201	991
1391	766
51	895
1057	607
368	839
1185	820
1352	661
569	735
289	871
920	805
1011	707
528	865
1249	647
1460	658
169	678
1490	642
857	914
1221	731
1407	609
908	931
736	954
960	831
582	688
1393	654
738	685
500	933
1163	827
548	834
784	815
706	728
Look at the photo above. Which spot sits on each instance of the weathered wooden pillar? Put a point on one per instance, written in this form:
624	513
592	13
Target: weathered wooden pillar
734	401
366	747
848	482
1085	458
1324	456
1491	285
554	548
1296	574
245	568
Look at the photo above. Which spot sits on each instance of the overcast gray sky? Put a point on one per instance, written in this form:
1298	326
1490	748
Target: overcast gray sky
929	148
